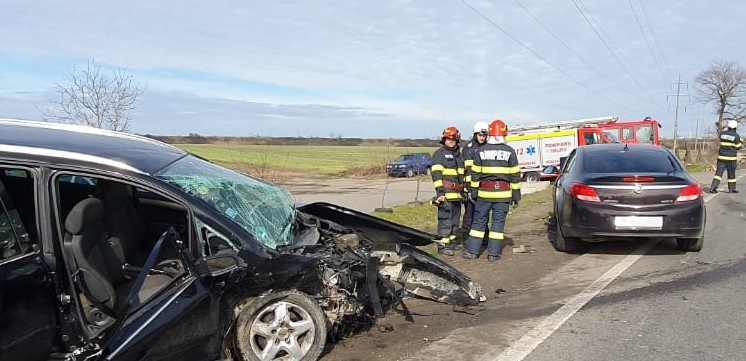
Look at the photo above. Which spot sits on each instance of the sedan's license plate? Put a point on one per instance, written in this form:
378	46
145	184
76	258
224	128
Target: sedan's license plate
637	222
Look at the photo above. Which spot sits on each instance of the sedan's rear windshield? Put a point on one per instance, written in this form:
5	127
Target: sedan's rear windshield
651	161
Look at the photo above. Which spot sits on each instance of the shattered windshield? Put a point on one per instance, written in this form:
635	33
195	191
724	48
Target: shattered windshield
263	209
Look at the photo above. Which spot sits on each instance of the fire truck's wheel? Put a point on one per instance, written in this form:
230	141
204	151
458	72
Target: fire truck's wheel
532	177
280	326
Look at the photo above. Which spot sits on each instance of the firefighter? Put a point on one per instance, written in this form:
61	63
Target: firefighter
495	184
730	143
478	139
447	172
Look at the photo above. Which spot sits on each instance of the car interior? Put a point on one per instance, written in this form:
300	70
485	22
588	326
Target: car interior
110	228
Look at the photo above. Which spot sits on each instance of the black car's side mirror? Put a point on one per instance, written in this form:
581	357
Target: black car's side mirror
563	160
218	264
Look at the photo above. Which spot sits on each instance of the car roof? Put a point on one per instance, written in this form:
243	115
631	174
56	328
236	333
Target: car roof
74	144
615	147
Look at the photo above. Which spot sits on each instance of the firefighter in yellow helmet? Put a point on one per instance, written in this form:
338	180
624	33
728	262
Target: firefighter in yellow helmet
495	184
447	172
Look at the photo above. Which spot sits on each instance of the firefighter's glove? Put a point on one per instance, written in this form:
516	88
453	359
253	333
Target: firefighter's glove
468	197
473	195
516	197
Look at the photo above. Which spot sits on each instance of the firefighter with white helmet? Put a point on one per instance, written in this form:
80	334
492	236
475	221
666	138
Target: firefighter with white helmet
478	139
495	184
730	143
447	172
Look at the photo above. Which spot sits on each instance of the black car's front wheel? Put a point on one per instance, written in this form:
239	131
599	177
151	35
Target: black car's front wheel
281	326
410	173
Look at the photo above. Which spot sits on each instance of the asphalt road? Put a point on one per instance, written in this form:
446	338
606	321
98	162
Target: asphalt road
626	301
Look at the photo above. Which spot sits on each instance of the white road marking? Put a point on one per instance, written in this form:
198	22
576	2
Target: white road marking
532	339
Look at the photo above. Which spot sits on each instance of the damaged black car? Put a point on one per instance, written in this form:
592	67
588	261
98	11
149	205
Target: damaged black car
118	247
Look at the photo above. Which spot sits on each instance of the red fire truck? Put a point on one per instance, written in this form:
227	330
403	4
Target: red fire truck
540	146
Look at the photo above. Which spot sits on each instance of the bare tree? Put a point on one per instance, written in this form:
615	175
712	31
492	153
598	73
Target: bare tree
724	84
95	98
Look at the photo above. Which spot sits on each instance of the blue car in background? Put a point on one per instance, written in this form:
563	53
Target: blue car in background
409	165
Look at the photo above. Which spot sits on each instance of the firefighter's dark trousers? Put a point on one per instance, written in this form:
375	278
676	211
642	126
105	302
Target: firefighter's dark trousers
449	213
722	166
482	210
468	218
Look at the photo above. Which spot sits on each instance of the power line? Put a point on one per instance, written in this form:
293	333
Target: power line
489	21
650	49
585	62
596	28
652	34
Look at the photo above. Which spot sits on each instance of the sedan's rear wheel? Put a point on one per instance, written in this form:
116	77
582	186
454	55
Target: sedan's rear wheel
691	244
568	244
281	326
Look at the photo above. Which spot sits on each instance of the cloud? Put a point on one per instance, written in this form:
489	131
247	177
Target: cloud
416	65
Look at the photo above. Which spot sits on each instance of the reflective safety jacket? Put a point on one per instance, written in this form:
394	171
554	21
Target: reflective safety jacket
468	153
495	173
730	143
448	173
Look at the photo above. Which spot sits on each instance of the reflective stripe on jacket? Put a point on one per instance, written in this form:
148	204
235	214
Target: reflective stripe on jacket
468	154
494	163
730	143
447	166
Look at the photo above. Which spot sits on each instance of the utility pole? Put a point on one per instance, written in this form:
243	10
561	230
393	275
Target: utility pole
676	116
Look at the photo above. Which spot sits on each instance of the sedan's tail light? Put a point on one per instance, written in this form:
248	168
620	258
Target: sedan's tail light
584	193
691	192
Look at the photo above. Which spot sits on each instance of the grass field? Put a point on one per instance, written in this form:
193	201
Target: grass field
332	160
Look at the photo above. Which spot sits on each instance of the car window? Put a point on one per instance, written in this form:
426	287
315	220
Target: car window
15	240
77	179
569	162
645	134
630	162
612	135
627	133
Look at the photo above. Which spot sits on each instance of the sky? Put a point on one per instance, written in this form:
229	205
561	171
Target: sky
374	69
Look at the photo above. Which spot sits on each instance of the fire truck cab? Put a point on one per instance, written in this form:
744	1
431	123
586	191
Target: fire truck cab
544	145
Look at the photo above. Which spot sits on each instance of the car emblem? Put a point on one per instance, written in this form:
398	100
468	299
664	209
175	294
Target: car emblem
638	188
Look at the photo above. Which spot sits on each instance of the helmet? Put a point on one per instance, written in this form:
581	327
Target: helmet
497	128
732	124
451	133
480	127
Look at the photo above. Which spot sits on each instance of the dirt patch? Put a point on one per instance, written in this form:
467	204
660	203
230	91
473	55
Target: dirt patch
394	338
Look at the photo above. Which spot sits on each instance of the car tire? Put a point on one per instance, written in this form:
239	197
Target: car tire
532	177
410	173
568	244
690	244
266	325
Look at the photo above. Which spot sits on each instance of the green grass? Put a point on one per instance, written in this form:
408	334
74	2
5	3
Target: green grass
700	167
332	160
423	217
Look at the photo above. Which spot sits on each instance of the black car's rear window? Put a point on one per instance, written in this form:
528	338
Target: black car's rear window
619	161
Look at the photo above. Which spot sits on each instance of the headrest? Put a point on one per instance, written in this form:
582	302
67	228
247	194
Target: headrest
115	195
86	212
